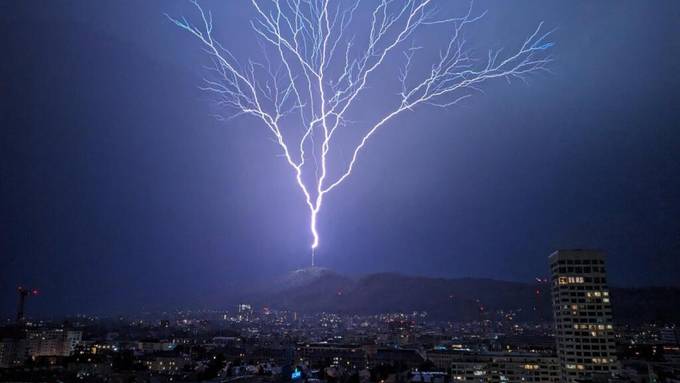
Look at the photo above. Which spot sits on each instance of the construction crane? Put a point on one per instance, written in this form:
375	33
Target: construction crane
23	293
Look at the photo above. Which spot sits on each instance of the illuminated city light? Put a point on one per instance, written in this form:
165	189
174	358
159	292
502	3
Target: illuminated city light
297	374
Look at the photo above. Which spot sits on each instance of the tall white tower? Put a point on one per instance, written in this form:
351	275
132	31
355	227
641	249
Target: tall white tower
583	316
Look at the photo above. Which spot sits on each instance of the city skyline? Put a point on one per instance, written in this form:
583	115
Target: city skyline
585	342
340	191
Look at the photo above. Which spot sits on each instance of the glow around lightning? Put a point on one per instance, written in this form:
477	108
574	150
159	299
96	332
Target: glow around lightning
314	69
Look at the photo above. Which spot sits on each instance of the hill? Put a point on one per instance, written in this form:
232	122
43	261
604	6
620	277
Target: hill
322	290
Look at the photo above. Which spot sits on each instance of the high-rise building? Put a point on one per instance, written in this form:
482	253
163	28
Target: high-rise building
583	316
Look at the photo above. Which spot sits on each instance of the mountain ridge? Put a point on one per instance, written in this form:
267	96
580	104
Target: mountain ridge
457	299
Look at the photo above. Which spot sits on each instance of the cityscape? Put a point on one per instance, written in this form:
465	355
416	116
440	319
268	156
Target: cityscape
585	342
340	191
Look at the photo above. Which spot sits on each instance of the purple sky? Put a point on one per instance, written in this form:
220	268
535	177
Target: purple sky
119	189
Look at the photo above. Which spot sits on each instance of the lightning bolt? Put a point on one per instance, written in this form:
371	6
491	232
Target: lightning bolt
298	82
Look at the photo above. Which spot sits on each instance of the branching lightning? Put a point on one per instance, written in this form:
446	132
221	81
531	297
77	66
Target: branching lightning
313	72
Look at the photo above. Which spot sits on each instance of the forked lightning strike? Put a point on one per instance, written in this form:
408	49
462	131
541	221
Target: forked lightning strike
313	72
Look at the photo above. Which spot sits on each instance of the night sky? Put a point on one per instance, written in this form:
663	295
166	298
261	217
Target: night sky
119	190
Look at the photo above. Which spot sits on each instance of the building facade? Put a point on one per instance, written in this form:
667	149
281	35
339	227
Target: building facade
352	357
497	367
582	312
52	342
